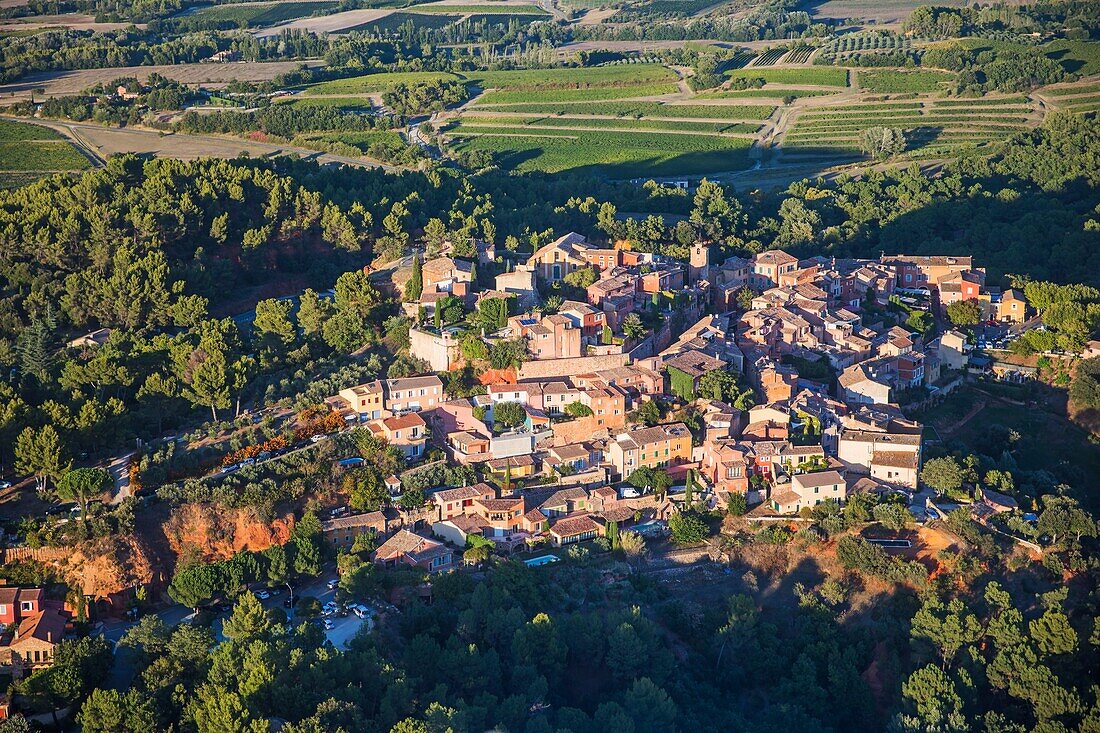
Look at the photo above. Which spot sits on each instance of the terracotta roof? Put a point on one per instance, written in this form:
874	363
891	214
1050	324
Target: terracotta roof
426	380
618	514
500	505
416	547
48	626
572	526
895	458
369	519
819	478
408	420
787	497
499	464
774	257
463	492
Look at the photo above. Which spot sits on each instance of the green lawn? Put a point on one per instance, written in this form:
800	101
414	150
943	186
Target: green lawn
375	83
52	155
620	155
892	80
818	76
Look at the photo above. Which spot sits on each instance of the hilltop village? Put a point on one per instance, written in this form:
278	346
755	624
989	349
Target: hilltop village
769	384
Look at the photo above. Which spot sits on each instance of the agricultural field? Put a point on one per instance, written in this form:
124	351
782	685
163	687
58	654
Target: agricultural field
769	58
363	140
390	22
594	94
815	76
376	83
854	45
28	151
893	81
346	104
1076	57
644	109
485	9
621	124
616	154
767	92
570	78
261	15
930	125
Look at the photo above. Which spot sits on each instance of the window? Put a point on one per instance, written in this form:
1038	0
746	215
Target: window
26	605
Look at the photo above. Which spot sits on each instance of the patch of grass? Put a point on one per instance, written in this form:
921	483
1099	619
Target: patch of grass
827	76
376	83
52	155
11	131
18	180
893	80
626	154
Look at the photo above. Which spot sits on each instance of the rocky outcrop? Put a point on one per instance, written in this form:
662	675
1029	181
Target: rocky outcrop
217	533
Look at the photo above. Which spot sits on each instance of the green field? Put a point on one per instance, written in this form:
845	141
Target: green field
11	131
1076	57
892	80
392	22
572	78
349	104
620	155
817	76
363	140
944	125
477	9
1067	91
645	109
594	94
45	155
605	123
376	83
258	15
767	93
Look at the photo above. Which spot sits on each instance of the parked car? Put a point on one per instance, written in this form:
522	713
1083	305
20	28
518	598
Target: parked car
629	493
360	610
263	595
332	584
316	438
5	485
327	624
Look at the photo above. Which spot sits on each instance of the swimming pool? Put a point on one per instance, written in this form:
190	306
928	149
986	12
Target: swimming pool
535	562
